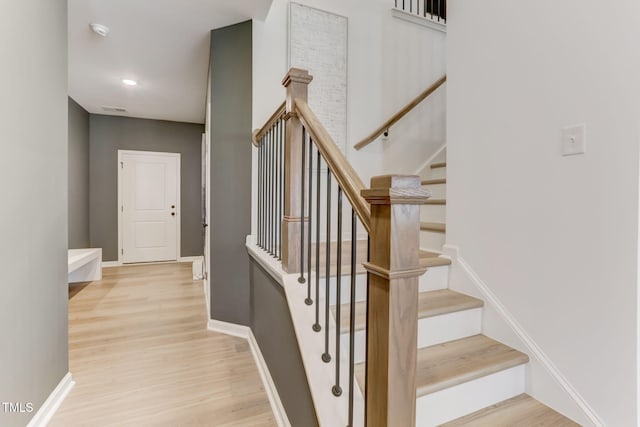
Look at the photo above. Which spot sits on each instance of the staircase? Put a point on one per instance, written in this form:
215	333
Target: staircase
462	377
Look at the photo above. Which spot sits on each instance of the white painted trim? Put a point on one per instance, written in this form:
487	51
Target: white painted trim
109	264
430	159
419	20
53	402
270	387
190	258
532	347
178	156
269	263
228	328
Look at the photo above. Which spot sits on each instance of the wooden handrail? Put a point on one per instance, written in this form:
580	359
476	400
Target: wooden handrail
259	133
400	114
347	177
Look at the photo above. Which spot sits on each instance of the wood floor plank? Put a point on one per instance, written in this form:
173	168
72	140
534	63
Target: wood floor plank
141	355
519	411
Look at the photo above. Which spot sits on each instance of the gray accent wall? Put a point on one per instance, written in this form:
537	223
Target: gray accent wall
78	176
230	160
33	185
272	326
108	134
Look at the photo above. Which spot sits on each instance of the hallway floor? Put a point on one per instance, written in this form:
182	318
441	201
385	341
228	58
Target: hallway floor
141	355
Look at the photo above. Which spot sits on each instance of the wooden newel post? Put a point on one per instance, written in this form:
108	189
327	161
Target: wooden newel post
296	81
392	322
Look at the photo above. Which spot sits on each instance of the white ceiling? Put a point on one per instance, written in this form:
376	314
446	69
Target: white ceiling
163	44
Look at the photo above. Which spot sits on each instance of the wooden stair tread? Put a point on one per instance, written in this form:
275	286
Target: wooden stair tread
432	259
439	165
455	362
519	411
433	303
434	181
433	226
435	202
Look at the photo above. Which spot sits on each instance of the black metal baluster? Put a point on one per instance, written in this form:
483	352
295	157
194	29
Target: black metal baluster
316	326
281	166
326	357
309	301
259	192
270	222
336	389
274	216
410	5
263	190
438	4
304	140
424	9
417	7
352	314
431	9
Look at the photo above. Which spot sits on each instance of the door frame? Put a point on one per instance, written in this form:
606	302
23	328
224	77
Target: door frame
119	164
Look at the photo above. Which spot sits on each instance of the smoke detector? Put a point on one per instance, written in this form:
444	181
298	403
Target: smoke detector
99	29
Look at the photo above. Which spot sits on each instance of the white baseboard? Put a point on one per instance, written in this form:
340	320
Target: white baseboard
533	349
234	329
245	332
53	402
189	258
272	392
107	264
430	159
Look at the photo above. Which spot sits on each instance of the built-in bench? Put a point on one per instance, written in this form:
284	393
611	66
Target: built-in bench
85	265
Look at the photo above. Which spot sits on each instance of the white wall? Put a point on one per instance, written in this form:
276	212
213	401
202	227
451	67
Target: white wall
554	238
390	61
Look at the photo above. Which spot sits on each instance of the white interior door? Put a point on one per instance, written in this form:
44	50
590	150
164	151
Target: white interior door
149	197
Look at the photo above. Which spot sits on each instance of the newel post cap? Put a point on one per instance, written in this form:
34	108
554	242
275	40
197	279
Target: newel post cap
396	189
297	75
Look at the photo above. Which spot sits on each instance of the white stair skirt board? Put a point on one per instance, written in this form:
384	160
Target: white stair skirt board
435	278
245	332
331	411
438	191
53	402
453	402
433	213
527	344
431	330
432	240
84	265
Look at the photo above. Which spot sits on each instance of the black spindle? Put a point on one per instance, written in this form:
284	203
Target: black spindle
259	192
352	314
304	140
316	326
280	168
309	301
431	10
326	357
336	389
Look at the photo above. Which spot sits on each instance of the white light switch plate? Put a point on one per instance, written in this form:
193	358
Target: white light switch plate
573	140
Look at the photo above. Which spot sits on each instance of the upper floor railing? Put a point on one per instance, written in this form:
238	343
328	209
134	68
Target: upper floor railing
309	199
436	10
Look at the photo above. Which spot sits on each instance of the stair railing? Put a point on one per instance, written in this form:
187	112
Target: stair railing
317	175
436	10
384	128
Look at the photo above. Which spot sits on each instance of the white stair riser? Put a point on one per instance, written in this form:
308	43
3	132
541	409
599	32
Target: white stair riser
431	331
438	173
432	240
438	191
433	213
454	402
345	288
435	278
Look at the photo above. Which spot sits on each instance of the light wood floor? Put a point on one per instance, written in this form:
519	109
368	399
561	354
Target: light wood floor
141	355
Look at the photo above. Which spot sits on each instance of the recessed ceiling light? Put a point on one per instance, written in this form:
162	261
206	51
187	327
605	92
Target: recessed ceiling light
101	30
129	82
